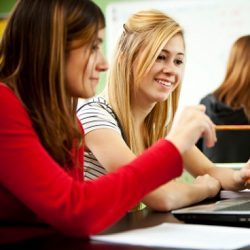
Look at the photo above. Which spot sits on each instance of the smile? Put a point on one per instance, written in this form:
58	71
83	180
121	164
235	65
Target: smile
164	83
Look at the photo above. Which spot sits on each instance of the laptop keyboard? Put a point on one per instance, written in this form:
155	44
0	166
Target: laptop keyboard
239	207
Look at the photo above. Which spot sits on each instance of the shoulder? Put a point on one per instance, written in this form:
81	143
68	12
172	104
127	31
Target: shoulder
96	102
10	104
6	94
210	98
96	113
13	114
97	106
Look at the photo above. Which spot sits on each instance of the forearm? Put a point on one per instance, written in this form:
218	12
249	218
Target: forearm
81	209
175	195
226	177
198	164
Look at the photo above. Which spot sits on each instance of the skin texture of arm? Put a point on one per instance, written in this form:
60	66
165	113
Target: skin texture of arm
173	194
169	196
198	164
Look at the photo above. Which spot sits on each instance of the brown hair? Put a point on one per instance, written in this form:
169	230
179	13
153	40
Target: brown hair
33	53
235	88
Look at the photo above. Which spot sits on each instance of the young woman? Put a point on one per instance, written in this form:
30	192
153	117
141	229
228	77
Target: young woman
143	91
229	104
50	55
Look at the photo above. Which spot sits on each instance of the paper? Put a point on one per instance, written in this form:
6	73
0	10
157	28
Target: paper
183	236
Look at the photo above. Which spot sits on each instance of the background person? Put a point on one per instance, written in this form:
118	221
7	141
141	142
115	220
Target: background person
229	104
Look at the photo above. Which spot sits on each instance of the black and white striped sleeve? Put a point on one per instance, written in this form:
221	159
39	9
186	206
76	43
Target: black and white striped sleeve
97	114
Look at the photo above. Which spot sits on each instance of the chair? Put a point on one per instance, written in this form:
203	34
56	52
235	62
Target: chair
233	144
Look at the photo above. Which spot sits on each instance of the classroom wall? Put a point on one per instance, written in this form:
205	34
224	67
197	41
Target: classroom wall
103	5
210	28
204	69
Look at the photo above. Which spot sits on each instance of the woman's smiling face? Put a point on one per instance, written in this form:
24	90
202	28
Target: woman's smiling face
165	74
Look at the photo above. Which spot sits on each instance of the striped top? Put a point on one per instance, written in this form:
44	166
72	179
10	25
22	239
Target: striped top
96	113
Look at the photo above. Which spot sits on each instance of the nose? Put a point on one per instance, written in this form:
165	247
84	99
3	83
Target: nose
102	64
169	68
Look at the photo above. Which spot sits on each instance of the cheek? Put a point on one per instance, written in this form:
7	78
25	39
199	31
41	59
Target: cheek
180	73
69	75
89	68
147	79
156	68
73	71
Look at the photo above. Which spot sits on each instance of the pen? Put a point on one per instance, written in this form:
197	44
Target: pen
232	127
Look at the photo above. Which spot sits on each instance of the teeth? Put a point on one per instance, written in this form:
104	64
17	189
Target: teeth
167	84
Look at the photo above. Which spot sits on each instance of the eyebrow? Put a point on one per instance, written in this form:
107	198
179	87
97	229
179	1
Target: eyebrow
179	53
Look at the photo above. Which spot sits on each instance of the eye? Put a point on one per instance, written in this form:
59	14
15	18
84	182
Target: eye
95	47
161	57
178	62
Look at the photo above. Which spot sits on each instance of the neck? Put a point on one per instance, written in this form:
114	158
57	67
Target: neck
140	113
140	109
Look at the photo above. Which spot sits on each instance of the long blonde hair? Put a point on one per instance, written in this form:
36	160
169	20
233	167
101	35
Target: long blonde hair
235	88
144	36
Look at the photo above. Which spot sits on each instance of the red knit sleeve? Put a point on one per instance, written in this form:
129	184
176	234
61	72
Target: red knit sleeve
74	208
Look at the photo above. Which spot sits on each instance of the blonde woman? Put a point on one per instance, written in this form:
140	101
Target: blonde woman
42	191
138	108
230	104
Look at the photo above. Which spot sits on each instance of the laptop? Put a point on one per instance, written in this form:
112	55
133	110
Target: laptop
231	212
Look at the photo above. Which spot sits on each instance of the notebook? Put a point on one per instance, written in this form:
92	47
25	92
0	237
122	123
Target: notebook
233	212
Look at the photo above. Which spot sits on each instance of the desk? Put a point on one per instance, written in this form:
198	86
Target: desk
139	219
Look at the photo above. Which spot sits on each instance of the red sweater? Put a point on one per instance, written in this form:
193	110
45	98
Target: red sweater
37	196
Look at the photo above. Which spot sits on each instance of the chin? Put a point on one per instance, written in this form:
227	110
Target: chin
87	93
86	96
161	98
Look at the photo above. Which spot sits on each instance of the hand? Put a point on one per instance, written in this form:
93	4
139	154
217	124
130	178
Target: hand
189	126
212	185
242	177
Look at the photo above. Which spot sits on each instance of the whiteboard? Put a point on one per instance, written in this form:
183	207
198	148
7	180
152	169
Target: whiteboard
210	29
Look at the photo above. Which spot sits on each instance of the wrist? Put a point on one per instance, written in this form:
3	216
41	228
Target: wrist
177	142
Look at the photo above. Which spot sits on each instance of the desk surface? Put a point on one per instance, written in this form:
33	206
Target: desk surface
139	219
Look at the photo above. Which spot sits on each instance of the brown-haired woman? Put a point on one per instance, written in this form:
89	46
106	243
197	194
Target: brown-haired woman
50	55
229	104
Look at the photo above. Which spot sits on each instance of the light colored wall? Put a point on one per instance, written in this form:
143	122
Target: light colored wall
103	5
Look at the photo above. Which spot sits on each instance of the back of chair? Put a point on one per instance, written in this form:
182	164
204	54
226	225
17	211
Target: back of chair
232	129
233	144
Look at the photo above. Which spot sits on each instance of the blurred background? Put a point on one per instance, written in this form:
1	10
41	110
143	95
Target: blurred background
210	28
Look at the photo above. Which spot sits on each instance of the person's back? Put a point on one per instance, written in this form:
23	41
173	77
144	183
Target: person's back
229	104
232	145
